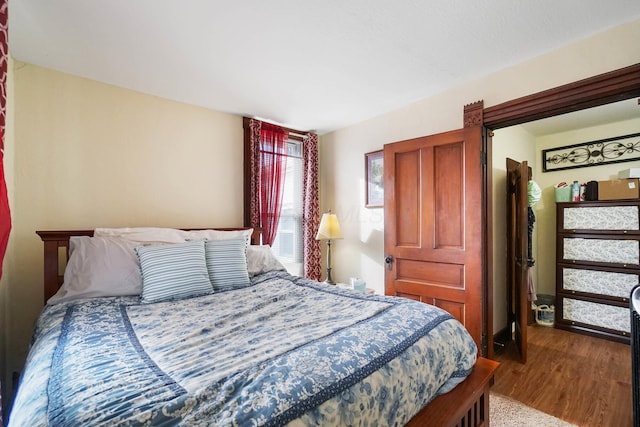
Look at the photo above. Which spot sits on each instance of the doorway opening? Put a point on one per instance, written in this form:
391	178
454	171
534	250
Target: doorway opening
520	126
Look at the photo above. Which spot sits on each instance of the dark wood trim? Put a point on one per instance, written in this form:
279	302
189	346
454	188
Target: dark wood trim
473	113
487	229
591	92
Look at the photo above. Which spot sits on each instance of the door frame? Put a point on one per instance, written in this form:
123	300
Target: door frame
601	89
606	88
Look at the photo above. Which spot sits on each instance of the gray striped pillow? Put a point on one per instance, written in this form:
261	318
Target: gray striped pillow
173	271
227	263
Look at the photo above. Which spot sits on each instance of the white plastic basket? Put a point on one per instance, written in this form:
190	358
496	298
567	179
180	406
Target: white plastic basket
545	314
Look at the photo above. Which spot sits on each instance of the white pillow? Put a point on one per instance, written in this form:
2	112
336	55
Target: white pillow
260	259
99	267
170	235
220	234
143	234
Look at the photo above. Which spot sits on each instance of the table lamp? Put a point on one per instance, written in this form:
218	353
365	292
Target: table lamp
329	230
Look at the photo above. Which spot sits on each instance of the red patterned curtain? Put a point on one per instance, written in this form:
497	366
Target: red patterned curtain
311	207
267	152
252	190
5	214
311	210
273	168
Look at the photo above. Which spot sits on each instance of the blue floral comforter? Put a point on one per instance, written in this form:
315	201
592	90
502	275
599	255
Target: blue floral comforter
284	351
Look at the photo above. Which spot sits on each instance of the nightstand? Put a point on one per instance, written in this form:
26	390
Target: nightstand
369	291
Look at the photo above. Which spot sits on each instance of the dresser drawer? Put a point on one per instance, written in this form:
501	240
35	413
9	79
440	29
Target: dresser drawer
625	252
597	282
612	318
614	218
603	217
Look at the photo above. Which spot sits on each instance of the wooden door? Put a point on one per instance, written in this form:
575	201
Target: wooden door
517	253
433	223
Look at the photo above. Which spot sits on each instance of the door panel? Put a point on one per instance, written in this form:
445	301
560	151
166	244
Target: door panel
425	272
406	201
517	253
449	192
433	223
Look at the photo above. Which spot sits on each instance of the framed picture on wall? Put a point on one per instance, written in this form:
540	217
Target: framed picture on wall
374	191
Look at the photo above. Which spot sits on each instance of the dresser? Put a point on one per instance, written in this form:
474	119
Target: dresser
598	264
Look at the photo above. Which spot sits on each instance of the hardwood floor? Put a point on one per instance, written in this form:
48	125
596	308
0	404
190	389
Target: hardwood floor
577	378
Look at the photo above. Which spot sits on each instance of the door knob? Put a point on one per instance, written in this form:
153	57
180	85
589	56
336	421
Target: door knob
388	260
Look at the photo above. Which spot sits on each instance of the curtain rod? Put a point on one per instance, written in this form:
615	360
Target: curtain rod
296	133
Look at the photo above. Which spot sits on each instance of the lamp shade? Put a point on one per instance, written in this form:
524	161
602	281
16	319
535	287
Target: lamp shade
329	227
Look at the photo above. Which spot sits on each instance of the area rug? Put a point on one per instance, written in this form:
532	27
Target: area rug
506	412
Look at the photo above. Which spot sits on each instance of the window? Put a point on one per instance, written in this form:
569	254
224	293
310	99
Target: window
296	246
288	245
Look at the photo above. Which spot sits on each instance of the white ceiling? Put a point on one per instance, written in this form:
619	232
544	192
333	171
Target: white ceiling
321	64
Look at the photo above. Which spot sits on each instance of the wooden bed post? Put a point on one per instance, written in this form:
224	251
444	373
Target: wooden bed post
53	241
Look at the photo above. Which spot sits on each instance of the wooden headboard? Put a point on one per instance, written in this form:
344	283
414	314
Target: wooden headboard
56	253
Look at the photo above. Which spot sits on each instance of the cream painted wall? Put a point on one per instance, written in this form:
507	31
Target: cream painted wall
342	152
518	144
362	228
89	154
546	208
8	262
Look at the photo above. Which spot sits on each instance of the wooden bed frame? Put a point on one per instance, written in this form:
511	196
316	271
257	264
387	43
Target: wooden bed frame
467	405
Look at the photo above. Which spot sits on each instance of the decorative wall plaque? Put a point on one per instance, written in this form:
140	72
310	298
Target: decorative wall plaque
619	149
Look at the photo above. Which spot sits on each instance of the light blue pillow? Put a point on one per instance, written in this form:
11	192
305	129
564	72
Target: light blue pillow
173	271
227	263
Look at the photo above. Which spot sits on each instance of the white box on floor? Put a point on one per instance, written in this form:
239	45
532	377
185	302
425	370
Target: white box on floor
629	173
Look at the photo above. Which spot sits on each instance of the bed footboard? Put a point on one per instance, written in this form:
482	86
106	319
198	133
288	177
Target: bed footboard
467	405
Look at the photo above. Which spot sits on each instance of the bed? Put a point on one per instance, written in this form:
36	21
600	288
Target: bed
278	350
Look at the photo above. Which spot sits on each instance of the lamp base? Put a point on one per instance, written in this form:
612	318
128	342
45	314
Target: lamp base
329	280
